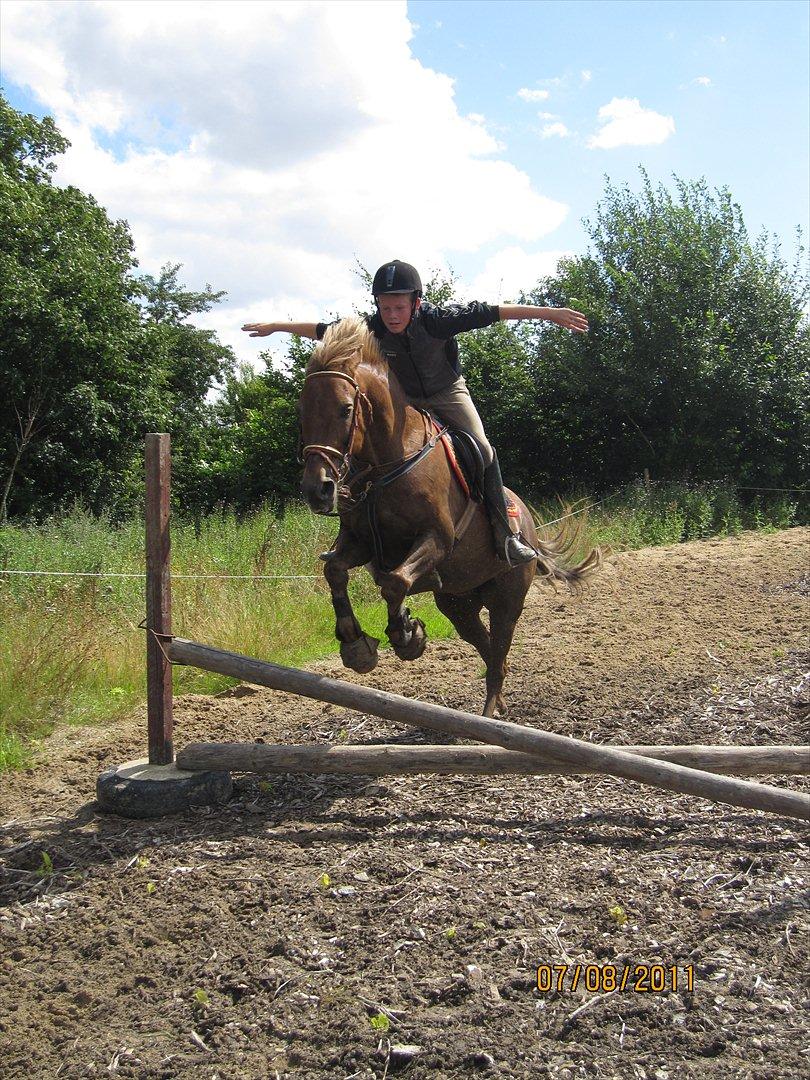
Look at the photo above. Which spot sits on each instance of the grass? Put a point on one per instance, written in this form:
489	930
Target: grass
649	515
71	651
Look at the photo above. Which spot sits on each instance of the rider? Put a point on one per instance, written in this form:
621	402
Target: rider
418	341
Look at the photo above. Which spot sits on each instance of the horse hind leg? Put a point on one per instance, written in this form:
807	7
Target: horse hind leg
464	613
502	632
505	604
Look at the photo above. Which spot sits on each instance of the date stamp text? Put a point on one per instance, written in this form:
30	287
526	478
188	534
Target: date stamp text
606	978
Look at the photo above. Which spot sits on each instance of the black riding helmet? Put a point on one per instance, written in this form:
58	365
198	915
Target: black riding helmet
396	277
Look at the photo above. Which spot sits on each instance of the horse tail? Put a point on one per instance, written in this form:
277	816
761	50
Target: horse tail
558	554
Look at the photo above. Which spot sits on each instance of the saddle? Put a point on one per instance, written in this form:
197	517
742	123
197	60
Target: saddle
465	460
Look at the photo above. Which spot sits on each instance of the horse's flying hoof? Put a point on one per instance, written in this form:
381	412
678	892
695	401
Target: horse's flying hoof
416	643
360	655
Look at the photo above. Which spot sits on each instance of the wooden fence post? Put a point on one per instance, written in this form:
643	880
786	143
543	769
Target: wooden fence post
158	599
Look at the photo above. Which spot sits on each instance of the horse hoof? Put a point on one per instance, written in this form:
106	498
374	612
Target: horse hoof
494	708
360	655
415	645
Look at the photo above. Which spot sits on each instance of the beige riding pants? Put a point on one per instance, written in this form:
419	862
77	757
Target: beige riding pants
454	407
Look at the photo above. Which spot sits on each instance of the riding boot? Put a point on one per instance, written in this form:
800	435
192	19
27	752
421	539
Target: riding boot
509	544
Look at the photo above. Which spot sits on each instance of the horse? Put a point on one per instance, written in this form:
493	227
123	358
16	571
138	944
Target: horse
376	461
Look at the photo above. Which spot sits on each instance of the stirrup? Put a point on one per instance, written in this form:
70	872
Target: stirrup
516	551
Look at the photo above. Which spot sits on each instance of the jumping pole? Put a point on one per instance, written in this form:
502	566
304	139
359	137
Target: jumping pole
388	759
573	752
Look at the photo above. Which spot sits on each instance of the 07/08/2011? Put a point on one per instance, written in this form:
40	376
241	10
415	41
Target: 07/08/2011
604	979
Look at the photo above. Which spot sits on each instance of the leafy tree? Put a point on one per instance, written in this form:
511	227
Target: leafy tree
253	435
188	363
90	356
72	398
498	371
697	360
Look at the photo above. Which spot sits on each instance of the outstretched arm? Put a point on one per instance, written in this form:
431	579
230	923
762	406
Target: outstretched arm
303	329
565	317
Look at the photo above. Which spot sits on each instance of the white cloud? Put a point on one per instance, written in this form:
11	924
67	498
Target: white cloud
265	145
550	130
700	80
508	272
585	76
626	123
533	95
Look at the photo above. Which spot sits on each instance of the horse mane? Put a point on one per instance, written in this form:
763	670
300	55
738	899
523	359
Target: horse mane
346	345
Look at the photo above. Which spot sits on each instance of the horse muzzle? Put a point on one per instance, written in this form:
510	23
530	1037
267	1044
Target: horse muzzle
320	490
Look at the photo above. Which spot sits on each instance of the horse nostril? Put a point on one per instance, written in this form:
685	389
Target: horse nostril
328	490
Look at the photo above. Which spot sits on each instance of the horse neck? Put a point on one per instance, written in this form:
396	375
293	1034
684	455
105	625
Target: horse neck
396	428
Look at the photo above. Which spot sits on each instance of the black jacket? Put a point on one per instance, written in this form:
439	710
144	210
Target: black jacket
425	356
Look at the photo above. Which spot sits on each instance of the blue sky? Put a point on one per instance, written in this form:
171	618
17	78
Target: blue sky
266	146
748	128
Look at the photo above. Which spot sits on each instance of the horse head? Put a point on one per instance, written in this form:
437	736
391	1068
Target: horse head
335	412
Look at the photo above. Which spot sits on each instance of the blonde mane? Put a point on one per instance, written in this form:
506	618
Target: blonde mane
346	344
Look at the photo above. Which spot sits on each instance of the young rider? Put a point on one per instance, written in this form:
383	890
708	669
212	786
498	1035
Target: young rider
418	341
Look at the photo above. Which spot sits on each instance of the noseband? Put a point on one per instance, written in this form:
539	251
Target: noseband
331	453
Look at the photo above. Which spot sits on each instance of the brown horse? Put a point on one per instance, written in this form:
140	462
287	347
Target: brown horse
376	460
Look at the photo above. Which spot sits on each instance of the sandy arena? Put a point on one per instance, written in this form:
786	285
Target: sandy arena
350	927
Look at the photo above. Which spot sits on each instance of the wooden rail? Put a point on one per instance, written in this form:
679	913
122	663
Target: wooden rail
568	751
390	760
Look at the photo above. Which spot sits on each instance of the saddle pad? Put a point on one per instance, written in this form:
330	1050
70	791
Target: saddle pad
452	460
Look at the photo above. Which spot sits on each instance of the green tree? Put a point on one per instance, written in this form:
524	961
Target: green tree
697	361
188	364
253	436
498	371
72	398
91	357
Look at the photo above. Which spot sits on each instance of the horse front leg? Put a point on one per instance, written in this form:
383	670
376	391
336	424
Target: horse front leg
407	635
358	651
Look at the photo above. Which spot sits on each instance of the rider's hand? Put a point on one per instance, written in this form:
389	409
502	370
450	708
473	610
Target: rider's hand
569	319
259	329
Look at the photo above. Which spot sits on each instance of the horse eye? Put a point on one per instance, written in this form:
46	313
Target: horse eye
346	410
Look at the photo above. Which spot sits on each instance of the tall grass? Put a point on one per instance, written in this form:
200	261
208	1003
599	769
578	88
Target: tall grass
649	515
71	651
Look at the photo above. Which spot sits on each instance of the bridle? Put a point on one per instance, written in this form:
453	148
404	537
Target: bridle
339	462
331	454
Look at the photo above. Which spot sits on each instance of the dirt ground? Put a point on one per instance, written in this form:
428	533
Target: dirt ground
356	927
